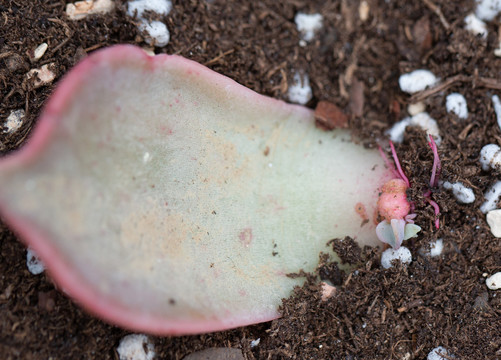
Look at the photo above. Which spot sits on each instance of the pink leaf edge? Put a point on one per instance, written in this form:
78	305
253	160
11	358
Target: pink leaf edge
62	272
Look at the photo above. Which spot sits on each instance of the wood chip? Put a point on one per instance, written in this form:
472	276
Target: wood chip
330	116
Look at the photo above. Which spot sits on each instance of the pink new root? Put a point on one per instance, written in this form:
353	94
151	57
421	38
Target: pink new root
435	174
401	173
437	166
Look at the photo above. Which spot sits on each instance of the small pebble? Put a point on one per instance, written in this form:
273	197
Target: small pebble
161	7
490	157
462	193
439	353
42	76
327	291
491	197
456	103
363	11
494	282
494	220
488	9
40	51
299	91
308	24
497	108
82	9
136	347
414	109
33	262
476	26
417	80
14	121
158	34
403	254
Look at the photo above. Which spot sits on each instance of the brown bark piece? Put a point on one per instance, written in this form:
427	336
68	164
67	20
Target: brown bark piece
329	116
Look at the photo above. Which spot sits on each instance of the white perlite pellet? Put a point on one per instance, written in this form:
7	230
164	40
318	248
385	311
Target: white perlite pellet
476	26
456	103
462	193
490	157
308	24
439	353
494	220
494	282
497	108
14	121
157	33
488	9
417	80
33	262
435	249
403	254
299	91
491	197
136	347
422	120
161	7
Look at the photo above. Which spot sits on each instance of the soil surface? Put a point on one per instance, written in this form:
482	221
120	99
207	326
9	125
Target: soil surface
400	313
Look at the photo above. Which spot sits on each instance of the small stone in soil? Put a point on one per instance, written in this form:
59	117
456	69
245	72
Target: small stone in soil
494	221
82	9
40	51
42	76
14	121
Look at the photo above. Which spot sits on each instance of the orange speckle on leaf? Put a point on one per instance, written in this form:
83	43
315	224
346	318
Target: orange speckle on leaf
361	211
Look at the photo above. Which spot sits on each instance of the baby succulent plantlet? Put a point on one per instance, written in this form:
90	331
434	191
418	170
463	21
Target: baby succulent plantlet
398	224
169	199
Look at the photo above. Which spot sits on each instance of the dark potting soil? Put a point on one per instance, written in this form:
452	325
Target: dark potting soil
400	313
